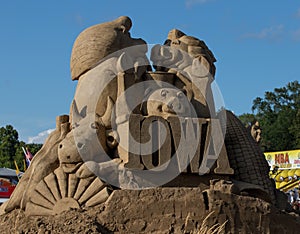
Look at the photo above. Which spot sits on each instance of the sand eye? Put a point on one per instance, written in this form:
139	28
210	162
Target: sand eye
75	125
163	93
176	42
180	95
93	126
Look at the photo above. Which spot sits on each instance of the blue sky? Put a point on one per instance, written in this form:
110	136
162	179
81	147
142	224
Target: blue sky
256	43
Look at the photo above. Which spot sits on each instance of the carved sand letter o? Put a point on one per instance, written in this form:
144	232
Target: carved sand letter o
161	151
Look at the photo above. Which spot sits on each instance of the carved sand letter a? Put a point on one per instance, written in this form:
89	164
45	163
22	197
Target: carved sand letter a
215	140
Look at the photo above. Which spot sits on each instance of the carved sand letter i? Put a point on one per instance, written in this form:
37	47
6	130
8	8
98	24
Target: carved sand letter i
128	124
156	147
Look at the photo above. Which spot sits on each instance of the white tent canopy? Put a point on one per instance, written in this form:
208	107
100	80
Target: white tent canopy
7	172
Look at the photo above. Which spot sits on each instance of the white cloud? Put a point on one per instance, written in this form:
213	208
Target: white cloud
190	3
79	20
40	138
271	33
298	13
296	35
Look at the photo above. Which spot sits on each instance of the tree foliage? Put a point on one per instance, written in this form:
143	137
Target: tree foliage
8	142
11	148
247	119
278	113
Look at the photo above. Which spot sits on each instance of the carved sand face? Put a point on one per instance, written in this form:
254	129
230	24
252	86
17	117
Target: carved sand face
168	57
168	101
68	155
89	133
79	143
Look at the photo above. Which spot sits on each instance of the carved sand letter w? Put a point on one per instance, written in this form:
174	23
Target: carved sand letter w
187	141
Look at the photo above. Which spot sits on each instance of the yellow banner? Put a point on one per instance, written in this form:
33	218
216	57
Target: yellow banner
284	159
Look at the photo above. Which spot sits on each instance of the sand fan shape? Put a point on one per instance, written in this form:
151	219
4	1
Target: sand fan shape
60	191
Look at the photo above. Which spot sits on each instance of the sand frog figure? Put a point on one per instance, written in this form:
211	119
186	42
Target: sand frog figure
68	155
168	101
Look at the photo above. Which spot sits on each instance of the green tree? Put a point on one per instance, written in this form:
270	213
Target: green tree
34	148
278	115
11	148
247	119
20	156
8	142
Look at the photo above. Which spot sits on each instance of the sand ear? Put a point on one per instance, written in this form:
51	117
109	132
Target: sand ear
76	116
124	62
83	111
199	69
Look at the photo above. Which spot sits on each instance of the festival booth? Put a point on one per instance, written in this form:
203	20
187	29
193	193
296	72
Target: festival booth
8	182
285	168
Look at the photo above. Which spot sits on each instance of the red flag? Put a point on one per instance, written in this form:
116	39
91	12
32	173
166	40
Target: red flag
29	156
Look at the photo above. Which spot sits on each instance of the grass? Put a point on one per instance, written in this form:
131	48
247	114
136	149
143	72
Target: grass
205	228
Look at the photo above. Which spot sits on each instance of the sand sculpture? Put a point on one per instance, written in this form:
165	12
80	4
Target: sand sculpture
255	131
120	105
